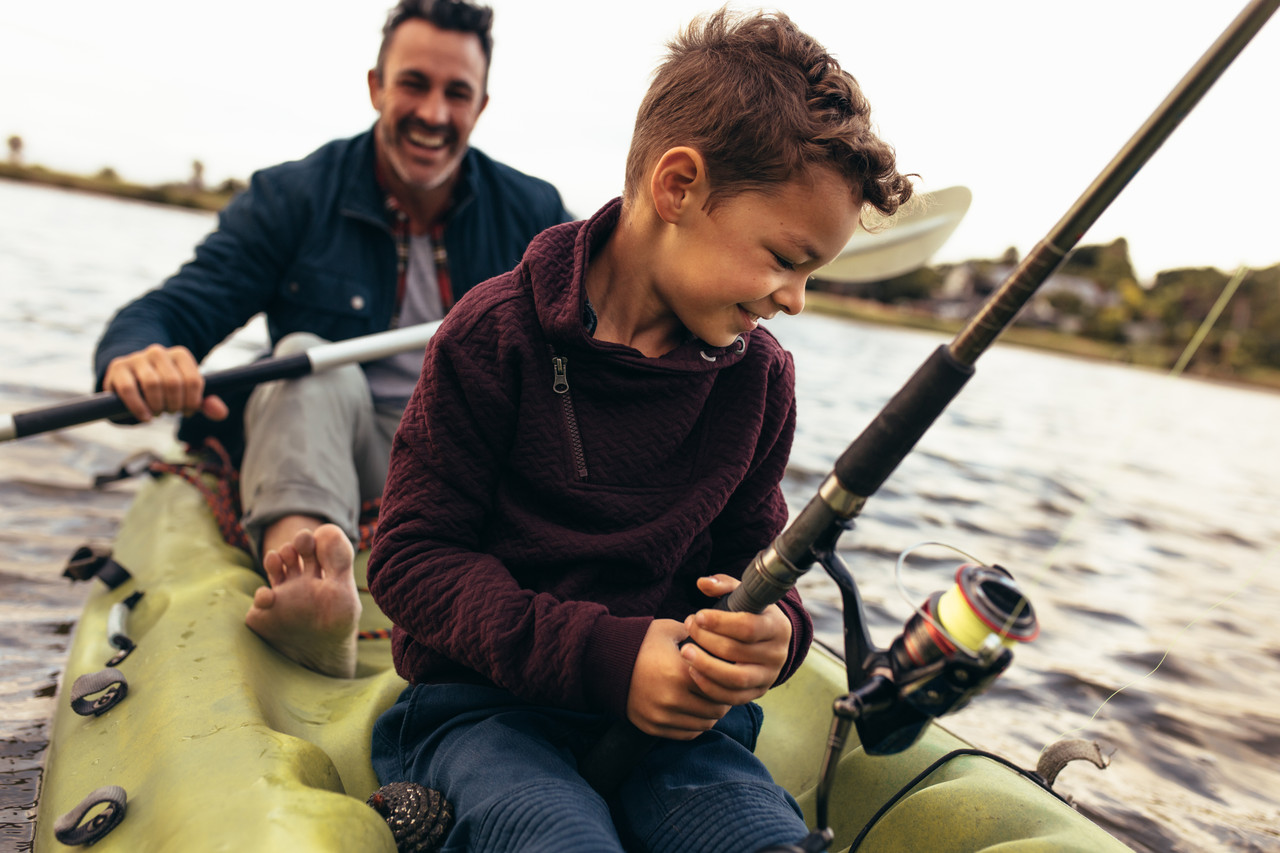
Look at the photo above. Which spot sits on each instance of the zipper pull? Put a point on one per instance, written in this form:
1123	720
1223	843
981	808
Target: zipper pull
560	365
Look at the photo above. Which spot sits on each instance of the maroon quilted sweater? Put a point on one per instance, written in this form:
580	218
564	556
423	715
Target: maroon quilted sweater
550	494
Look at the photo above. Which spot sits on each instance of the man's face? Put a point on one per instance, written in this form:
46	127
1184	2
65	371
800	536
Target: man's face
430	93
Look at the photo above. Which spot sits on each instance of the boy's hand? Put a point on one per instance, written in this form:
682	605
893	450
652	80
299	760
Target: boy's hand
161	379
738	656
664	699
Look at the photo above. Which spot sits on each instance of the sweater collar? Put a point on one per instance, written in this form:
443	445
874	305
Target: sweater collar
561	304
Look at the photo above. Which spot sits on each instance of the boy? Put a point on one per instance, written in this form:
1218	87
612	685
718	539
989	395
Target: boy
594	452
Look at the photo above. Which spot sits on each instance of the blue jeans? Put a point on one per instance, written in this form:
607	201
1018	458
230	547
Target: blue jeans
510	770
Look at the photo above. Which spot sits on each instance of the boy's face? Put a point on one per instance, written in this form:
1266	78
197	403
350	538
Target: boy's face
752	256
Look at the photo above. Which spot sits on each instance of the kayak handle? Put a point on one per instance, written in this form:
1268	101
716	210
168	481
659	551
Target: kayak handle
109	685
68	828
118	628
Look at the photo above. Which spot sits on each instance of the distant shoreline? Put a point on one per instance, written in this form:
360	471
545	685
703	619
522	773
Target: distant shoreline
864	310
1045	340
108	184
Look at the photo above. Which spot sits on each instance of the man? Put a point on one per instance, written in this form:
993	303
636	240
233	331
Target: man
385	229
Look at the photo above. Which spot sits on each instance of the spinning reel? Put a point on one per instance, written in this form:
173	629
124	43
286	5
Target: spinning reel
951	649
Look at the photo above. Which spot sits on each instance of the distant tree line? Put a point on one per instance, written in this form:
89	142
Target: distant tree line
1147	322
190	193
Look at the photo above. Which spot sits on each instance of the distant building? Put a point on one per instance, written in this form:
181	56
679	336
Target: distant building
1061	302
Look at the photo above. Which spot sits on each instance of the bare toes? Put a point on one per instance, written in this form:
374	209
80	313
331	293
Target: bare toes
290	560
333	550
305	543
273	565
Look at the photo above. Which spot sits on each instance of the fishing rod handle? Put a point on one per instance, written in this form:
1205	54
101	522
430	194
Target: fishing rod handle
776	569
615	754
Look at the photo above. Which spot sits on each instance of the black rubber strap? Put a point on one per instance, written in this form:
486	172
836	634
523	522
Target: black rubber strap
68	828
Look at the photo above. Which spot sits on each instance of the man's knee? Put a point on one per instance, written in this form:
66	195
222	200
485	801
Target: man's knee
296	342
340	391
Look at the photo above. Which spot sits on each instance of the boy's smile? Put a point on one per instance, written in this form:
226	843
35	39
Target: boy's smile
752	255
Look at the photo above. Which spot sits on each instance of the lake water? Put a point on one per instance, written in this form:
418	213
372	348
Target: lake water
1140	513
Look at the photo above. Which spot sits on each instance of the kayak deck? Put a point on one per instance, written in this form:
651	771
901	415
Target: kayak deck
224	744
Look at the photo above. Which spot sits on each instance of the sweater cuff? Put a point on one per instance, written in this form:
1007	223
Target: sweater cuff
801	637
612	648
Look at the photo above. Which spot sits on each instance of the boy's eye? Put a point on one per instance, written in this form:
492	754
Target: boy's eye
783	262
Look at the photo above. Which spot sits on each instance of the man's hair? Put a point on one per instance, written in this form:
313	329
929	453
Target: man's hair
457	15
762	102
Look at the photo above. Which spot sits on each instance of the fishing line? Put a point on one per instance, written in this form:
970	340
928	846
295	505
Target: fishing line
1188	352
911	599
1169	649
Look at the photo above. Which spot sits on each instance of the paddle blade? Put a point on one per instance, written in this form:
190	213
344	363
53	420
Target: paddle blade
906	244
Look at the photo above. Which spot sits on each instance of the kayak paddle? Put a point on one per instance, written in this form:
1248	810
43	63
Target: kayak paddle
106	404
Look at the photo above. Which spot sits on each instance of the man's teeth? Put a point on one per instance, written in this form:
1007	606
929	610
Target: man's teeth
427	140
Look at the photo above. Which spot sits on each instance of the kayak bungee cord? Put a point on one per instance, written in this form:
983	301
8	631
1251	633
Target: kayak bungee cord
890	716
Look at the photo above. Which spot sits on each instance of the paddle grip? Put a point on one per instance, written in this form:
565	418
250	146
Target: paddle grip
886	441
107	404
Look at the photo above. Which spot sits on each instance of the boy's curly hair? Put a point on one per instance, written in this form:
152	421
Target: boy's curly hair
763	103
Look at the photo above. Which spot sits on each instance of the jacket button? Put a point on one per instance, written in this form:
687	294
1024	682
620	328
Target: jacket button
357	302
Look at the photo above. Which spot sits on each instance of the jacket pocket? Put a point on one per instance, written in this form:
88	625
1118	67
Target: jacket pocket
324	302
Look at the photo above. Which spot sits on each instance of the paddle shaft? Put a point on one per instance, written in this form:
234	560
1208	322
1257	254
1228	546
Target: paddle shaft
317	359
877	451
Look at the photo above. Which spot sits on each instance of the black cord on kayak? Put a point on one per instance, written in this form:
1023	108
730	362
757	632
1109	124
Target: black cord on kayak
924	774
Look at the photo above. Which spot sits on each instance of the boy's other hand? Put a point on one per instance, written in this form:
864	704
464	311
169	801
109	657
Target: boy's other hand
664	700
161	379
738	656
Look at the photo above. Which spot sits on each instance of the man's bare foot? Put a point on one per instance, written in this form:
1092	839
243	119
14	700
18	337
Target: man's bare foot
311	610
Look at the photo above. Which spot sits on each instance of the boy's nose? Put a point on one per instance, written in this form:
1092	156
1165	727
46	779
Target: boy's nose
790	297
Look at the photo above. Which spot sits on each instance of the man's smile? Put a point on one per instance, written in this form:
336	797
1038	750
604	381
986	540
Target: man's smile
426	137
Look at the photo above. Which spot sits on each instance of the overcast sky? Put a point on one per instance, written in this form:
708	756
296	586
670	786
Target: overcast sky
1022	101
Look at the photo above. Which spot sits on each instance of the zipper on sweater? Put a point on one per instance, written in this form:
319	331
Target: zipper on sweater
560	367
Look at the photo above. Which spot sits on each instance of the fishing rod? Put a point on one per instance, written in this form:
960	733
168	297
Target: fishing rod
895	692
317	359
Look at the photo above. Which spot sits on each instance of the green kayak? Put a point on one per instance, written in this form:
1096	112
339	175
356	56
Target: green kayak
220	743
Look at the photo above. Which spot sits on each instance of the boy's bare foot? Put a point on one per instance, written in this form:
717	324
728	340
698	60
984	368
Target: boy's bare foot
311	610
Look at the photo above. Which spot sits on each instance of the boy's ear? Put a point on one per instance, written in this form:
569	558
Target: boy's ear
679	183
